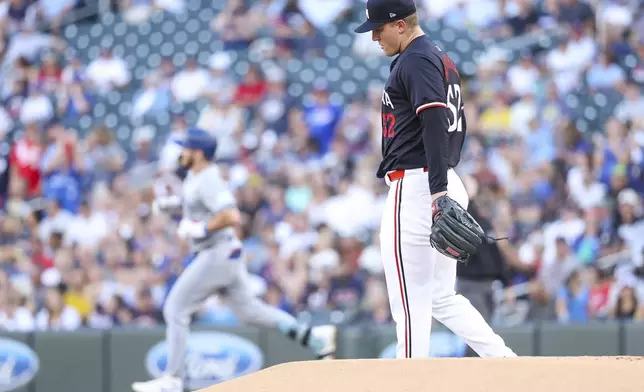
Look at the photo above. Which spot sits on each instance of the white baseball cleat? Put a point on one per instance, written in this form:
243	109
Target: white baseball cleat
162	384
323	341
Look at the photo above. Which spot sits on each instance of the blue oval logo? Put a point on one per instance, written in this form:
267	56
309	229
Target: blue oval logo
18	364
211	358
443	345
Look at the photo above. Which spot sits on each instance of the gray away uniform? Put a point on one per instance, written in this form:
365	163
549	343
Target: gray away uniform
218	267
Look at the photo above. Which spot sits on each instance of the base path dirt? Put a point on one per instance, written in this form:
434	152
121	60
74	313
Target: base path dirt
524	374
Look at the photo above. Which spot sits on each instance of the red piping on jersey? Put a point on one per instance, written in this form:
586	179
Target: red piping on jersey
430	105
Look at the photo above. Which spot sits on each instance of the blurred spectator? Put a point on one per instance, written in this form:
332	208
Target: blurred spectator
37	107
322	117
220	80
141	164
600	287
273	112
75	297
628	306
25	158
29	43
525	19
572	300
630	226
275	296
73	72
588	245
55	222
190	83
323	15
151	100
523	77
582	183
551	279
18	13
50	74
497	118
104	156
233	27
575	11
297	36
632	106
377	303
56	315
53	11
5	169
108	72
62	167
87	228
251	89
139	11
226	121
568	62
166	73
6	123
170	150
15	312
74	101
14	98
146	312
605	73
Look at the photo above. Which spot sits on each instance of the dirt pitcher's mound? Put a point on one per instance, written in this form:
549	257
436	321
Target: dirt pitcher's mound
525	374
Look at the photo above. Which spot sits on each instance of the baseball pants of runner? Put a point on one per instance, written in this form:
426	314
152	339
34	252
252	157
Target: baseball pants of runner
421	281
213	271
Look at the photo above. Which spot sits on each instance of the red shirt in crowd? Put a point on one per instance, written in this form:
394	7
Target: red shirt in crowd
49	78
25	159
598	300
40	256
250	93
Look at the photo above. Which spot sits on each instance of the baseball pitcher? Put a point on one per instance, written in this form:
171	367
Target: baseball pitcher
425	227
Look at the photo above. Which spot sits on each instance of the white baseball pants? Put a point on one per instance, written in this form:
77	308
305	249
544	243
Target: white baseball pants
420	281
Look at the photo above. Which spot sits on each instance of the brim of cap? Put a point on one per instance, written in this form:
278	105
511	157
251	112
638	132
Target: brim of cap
189	144
368	26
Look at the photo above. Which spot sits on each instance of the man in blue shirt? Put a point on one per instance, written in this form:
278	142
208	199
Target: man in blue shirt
322	117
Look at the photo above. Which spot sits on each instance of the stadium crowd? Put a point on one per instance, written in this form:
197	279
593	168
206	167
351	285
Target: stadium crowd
79	245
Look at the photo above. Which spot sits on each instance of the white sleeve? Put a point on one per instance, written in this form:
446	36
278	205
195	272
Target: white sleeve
25	320
4	10
123	73
91	73
41	321
639	291
70	319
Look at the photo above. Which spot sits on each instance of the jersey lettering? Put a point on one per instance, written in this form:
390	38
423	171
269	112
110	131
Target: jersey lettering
386	100
454	105
388	125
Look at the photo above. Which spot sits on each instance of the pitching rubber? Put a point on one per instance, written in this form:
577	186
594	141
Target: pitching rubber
524	374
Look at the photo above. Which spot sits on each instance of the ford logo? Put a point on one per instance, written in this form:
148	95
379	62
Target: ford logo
211	358
443	344
18	364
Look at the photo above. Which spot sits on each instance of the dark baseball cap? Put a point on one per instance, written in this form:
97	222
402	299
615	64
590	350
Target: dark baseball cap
380	12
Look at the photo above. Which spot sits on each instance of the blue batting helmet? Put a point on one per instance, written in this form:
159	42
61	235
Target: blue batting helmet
198	139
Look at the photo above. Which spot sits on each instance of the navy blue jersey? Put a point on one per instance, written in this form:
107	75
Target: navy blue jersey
421	77
5	170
